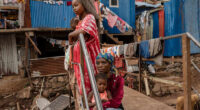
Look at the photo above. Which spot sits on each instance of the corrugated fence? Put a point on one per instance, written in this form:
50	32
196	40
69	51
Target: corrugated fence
181	16
51	16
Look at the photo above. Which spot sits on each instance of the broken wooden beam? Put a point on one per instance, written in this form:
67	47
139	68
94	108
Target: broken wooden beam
27	60
146	84
32	42
173	83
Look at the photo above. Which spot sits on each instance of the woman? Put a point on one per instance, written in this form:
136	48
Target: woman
87	25
115	84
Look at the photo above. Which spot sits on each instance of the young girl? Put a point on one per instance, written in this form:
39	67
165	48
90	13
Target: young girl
105	95
86	12
87	25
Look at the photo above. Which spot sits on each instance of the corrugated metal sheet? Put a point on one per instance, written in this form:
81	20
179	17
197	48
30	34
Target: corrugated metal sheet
181	16
174	24
192	21
126	11
155	25
8	55
46	66
51	16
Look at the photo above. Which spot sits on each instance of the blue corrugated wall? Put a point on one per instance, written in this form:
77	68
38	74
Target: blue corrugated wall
192	21
51	16
126	11
155	25
181	16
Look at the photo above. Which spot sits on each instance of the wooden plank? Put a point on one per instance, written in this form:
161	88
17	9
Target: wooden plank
9	7
34	30
186	72
164	59
156	79
134	100
27	15
33	43
112	38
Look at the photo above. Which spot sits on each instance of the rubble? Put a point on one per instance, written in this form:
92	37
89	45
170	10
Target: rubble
24	93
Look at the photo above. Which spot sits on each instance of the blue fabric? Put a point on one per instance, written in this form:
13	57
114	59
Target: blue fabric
155	25
144	49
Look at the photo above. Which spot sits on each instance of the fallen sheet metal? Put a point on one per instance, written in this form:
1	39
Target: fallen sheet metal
47	66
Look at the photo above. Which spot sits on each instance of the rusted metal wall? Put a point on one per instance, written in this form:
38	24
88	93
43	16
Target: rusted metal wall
46	66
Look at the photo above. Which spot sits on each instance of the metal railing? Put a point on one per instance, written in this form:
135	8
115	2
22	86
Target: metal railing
91	76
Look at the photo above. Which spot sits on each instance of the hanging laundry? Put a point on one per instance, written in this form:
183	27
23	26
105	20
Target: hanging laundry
142	18
60	2
69	3
131	50
121	25
58	42
52	41
149	33
125	48
67	58
112	19
155	47
140	3
144	49
120	50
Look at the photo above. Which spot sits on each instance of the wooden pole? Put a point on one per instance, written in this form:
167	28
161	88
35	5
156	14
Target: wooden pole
27	17
140	73
186	72
27	60
146	84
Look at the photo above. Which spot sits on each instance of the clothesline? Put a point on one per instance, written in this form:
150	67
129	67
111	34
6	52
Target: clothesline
61	43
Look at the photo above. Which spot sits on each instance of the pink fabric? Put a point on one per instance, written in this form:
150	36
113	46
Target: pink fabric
96	6
121	25
88	24
111	20
102	96
116	87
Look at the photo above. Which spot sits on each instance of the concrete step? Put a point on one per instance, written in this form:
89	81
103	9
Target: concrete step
134	100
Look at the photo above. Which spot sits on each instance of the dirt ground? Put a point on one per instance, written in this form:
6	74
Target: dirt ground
161	92
170	93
